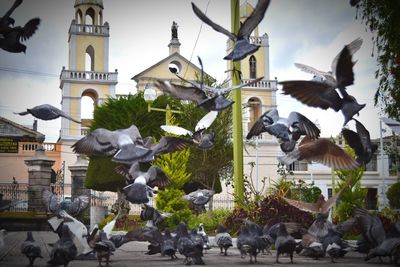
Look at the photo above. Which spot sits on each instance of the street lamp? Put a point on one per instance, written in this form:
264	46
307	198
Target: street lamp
150	94
383	201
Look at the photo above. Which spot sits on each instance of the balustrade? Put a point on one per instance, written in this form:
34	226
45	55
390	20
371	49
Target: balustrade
88	76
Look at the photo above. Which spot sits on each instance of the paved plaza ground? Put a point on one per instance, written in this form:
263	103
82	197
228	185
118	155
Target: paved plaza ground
132	254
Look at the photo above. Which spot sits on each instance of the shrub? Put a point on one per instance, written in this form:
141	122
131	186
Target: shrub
123	223
210	219
393	194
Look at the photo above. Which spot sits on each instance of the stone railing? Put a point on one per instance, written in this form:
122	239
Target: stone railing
31	146
90	29
263	84
256	40
85	76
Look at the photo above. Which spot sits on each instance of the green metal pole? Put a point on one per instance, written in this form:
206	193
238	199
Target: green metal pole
237	115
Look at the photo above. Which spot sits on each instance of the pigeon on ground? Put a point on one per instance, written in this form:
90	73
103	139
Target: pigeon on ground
199	198
248	243
242	46
323	151
372	229
199	138
223	239
334	245
388	248
189	246
319	228
64	250
322	93
284	243
140	184
202	232
6	20
149	213
46	112
104	248
287	130
313	250
31	249
74	208
123	144
360	142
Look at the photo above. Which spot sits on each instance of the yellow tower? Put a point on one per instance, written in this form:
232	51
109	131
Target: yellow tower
256	99
87	74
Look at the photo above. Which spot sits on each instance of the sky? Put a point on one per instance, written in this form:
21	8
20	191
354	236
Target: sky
311	32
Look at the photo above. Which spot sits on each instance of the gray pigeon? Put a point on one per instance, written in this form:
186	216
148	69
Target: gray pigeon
284	243
388	248
371	227
248	243
287	130
242	47
31	249
199	198
140	184
223	239
322	93
190	246
360	142
46	112
149	213
334	245
104	248
64	250
124	144
74	208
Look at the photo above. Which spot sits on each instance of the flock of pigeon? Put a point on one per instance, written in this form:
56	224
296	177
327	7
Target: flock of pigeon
128	148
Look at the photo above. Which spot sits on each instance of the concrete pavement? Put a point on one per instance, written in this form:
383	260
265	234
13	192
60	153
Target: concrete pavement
132	254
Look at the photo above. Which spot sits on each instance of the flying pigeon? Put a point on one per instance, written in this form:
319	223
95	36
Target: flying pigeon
223	239
149	213
64	250
321	207
287	130
11	37
31	249
242	46
320	150
104	248
322	93
123	144
284	243
199	137
199	198
166	144
6	20
140	184
46	112
74	208
360	142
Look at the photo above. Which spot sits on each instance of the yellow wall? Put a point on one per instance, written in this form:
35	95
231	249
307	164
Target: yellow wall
97	42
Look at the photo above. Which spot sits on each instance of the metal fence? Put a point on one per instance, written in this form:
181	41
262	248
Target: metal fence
19	192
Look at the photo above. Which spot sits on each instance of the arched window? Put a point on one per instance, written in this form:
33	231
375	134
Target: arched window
89	101
253	67
78	16
89	16
100	21
89	58
254	105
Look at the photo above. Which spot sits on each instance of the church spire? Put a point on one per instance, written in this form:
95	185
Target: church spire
174	44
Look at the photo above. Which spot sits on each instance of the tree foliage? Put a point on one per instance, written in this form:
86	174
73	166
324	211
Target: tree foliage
383	19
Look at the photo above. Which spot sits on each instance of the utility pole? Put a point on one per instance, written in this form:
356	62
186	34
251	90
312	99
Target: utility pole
237	114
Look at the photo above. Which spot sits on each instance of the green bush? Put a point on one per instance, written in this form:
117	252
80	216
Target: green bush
393	195
123	223
210	219
170	200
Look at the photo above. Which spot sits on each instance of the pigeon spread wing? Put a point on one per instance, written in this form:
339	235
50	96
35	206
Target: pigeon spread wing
305	206
258	127
89	145
170	144
181	92
206	121
210	23
254	19
312	93
314	71
353	139
304	124
176	130
29	29
158	177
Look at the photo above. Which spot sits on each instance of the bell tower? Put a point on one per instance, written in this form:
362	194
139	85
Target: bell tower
87	75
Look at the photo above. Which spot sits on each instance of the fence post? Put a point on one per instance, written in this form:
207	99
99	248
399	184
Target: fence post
78	176
39	177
